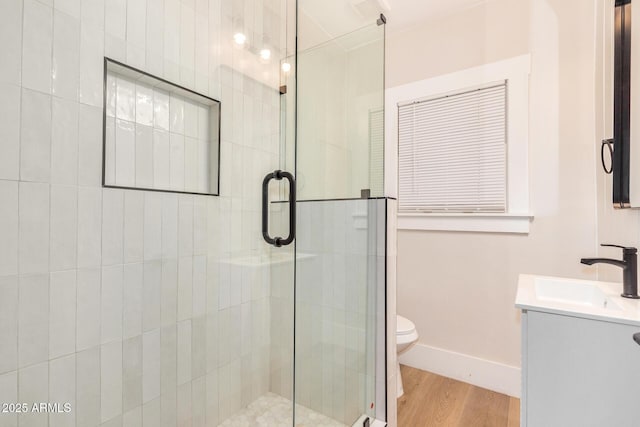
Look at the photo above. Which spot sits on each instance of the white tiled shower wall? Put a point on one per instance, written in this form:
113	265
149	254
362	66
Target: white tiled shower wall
128	304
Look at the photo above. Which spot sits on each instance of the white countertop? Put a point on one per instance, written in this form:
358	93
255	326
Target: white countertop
615	308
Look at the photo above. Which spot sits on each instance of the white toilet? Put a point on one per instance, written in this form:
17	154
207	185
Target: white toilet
406	336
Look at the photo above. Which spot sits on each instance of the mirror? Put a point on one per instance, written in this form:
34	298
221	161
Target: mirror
625	162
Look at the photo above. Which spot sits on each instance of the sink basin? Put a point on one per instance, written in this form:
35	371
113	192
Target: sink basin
588	299
574	292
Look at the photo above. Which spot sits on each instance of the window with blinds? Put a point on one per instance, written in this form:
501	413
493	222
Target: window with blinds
452	152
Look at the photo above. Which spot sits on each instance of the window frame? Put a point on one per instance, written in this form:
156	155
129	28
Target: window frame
517	217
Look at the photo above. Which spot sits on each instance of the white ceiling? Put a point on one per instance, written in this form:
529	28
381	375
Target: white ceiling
337	17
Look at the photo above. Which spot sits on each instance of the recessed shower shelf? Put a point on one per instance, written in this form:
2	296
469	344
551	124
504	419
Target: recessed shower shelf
158	136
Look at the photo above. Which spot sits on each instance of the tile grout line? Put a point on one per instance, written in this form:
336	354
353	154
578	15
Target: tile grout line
50	210
77	233
101	192
19	269
76	189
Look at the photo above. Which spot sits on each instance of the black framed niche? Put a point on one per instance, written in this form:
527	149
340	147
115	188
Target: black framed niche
157	135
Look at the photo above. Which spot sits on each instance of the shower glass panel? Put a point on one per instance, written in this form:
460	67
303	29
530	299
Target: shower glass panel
154	308
340	269
340	116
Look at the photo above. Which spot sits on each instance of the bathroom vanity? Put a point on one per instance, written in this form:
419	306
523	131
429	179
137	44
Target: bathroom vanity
580	362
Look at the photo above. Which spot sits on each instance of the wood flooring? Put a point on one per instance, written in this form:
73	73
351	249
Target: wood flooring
430	400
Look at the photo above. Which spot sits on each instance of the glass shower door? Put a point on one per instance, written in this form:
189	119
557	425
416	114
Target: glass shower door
340	246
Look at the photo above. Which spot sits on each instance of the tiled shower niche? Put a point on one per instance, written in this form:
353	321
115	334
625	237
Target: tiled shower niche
158	135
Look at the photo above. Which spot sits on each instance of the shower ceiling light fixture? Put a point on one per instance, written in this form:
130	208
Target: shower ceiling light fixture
239	38
286	67
265	54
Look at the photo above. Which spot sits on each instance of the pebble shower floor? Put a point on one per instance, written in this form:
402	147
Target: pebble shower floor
272	410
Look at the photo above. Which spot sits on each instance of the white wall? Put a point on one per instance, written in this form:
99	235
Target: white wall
459	288
487	33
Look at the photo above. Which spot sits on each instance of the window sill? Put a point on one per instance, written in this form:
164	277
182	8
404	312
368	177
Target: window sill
479	223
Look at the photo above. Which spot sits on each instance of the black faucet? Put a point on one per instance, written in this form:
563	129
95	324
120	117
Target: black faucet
629	266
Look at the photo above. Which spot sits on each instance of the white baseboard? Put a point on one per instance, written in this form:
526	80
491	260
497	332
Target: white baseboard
483	373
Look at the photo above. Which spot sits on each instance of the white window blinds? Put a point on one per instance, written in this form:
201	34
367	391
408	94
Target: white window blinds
452	152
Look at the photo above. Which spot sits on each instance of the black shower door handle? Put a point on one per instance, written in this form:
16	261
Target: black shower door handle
279	241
